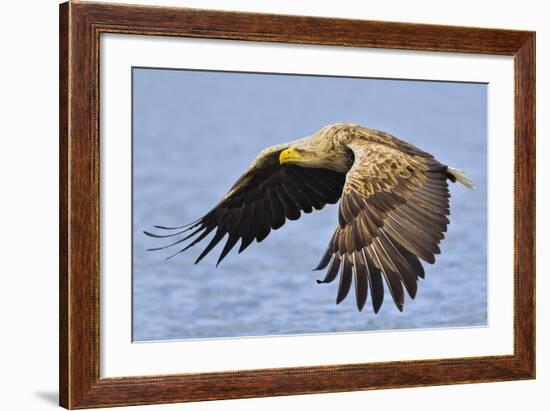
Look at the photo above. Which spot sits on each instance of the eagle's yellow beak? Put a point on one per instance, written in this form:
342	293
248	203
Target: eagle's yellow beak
288	155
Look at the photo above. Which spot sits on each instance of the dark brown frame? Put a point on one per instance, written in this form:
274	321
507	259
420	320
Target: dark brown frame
80	27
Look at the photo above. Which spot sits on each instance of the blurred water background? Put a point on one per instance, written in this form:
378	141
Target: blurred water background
194	133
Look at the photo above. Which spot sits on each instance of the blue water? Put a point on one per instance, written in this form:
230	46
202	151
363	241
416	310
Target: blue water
194	133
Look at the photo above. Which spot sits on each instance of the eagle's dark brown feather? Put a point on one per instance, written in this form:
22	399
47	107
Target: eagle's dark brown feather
261	200
390	215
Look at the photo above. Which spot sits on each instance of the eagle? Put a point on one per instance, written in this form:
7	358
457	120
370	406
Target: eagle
393	211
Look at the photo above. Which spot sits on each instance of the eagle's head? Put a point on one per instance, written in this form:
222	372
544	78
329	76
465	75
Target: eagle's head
319	150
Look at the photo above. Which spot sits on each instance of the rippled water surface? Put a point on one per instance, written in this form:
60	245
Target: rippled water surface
196	132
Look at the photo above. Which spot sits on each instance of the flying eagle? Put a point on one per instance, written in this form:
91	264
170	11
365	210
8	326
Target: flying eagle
394	203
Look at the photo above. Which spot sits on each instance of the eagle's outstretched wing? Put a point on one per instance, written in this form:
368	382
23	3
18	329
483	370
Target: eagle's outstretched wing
392	212
261	200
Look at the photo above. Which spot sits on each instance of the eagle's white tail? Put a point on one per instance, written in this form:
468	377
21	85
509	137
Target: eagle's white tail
460	177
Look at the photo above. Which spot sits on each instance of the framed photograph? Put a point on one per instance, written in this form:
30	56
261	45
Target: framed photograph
210	160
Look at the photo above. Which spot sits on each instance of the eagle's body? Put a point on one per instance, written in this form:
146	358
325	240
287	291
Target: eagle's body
394	203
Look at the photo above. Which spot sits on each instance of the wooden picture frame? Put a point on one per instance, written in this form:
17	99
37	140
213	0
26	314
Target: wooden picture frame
80	27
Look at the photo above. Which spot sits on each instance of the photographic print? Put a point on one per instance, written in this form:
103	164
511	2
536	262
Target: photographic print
245	182
299	186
